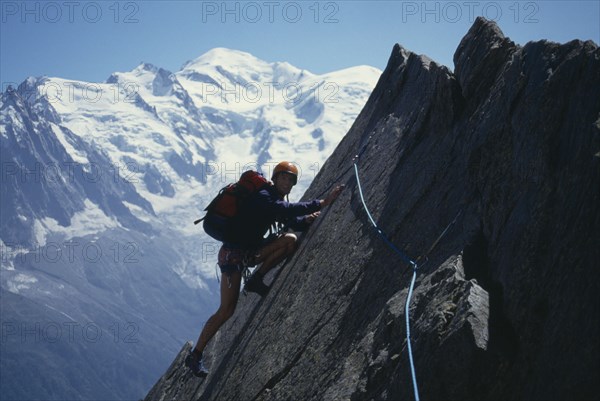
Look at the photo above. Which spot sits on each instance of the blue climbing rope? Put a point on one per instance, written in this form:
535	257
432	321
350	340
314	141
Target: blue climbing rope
406	314
408	260
377	229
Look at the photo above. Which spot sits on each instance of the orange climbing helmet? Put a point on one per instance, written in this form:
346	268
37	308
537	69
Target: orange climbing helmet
286	167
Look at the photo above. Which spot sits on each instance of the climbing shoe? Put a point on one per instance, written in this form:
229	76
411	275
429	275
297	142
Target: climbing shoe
255	284
196	364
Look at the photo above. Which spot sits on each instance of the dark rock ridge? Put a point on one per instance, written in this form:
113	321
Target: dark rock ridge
505	305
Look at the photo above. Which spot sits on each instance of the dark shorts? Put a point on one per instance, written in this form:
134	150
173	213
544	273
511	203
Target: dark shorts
232	258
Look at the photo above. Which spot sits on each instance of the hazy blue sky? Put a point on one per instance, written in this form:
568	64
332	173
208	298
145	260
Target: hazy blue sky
88	40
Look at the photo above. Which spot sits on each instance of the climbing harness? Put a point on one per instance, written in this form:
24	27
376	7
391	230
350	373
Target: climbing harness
239	259
244	260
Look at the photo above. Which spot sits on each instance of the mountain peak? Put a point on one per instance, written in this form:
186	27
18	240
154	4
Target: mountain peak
224	57
143	66
479	56
28	89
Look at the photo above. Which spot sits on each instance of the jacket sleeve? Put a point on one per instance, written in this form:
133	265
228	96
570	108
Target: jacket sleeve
288	210
268	207
293	221
298	224
280	209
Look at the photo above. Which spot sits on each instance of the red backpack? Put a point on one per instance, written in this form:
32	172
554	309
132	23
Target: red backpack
221	219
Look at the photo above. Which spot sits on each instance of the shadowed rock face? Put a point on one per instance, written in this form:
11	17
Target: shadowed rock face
506	303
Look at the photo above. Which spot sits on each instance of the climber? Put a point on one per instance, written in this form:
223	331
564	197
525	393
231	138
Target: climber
258	214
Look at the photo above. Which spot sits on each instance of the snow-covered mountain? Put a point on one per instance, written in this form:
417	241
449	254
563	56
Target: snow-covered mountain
103	273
